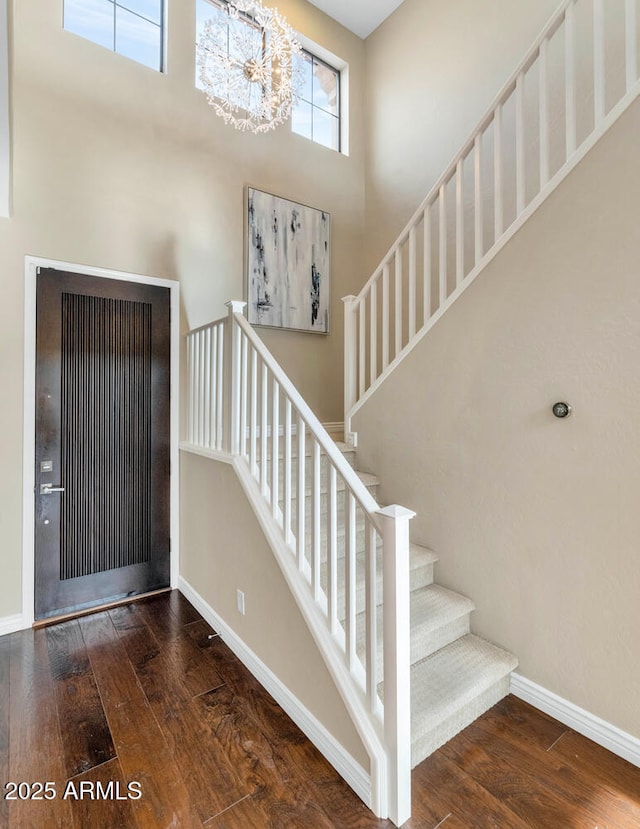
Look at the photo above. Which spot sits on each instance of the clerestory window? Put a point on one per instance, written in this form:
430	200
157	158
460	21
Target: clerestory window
133	28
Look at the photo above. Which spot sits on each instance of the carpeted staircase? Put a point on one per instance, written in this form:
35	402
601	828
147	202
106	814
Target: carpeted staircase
455	676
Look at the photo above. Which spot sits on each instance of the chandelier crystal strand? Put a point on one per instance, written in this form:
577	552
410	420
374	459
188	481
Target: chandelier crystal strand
249	65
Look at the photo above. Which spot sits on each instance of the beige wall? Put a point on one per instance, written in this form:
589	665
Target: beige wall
535	518
224	550
120	167
432	70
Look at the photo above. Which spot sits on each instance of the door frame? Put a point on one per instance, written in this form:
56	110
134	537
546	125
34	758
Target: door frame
32	263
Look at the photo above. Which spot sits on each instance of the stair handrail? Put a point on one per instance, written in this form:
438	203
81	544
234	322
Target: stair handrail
226	392
367	364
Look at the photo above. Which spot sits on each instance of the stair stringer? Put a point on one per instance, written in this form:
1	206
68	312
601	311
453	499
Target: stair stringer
353	698
615	113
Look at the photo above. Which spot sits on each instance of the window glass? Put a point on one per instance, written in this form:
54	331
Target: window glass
301	119
92	19
325	129
151	9
137	38
317	114
132	28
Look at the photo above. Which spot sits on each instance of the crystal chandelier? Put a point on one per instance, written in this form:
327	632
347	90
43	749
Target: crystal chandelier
247	65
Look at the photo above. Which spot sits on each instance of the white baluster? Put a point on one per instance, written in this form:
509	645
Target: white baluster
244	383
599	104
412	282
398	300
264	429
426	272
253	429
459	222
198	387
631	43
287	469
570	79
371	616
544	112
497	174
301	492
213	369
350	577
235	368
275	447
332	552
385	316
478	205
221	390
443	244
192	402
350	364
362	342
373	334
316	496
207	388
521	197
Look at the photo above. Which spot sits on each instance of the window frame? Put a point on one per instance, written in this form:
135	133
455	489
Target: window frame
162	26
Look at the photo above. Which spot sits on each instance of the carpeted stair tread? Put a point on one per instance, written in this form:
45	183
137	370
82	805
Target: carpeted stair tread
452	687
438	617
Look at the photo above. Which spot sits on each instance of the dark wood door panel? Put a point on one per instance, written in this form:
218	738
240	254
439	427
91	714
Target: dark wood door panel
102	435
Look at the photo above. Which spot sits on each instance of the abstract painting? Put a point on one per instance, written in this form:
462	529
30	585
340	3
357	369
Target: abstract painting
288	263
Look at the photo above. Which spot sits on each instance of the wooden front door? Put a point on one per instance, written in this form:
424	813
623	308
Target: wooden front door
102	520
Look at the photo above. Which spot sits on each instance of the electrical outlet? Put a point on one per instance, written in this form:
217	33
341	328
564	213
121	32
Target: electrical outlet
240	597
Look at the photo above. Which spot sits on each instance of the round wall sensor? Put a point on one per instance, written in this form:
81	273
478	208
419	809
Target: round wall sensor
561	409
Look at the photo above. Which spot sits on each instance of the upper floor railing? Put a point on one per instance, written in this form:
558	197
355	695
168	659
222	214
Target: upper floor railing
575	81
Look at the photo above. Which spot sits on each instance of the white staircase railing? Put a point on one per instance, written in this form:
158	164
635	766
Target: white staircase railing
326	530
575	81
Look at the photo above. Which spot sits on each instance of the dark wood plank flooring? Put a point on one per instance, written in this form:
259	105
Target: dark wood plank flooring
148	694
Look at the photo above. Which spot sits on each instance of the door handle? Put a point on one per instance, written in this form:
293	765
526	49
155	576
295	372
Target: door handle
47	489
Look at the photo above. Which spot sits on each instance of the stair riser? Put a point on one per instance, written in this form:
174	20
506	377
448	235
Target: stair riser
488	697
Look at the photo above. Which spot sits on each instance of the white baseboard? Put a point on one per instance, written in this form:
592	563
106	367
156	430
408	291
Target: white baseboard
11	624
600	731
348	768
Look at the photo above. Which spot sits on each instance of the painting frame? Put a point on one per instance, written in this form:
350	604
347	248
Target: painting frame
287	263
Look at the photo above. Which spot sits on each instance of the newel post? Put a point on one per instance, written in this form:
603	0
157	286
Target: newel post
233	372
397	661
350	372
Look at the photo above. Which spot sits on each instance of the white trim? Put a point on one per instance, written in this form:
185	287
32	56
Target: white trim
348	768
585	723
32	263
5	132
10	624
211	454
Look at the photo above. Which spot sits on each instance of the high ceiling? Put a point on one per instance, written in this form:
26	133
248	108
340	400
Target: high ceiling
360	16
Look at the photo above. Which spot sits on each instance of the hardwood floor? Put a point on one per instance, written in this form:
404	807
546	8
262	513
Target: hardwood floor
144	719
